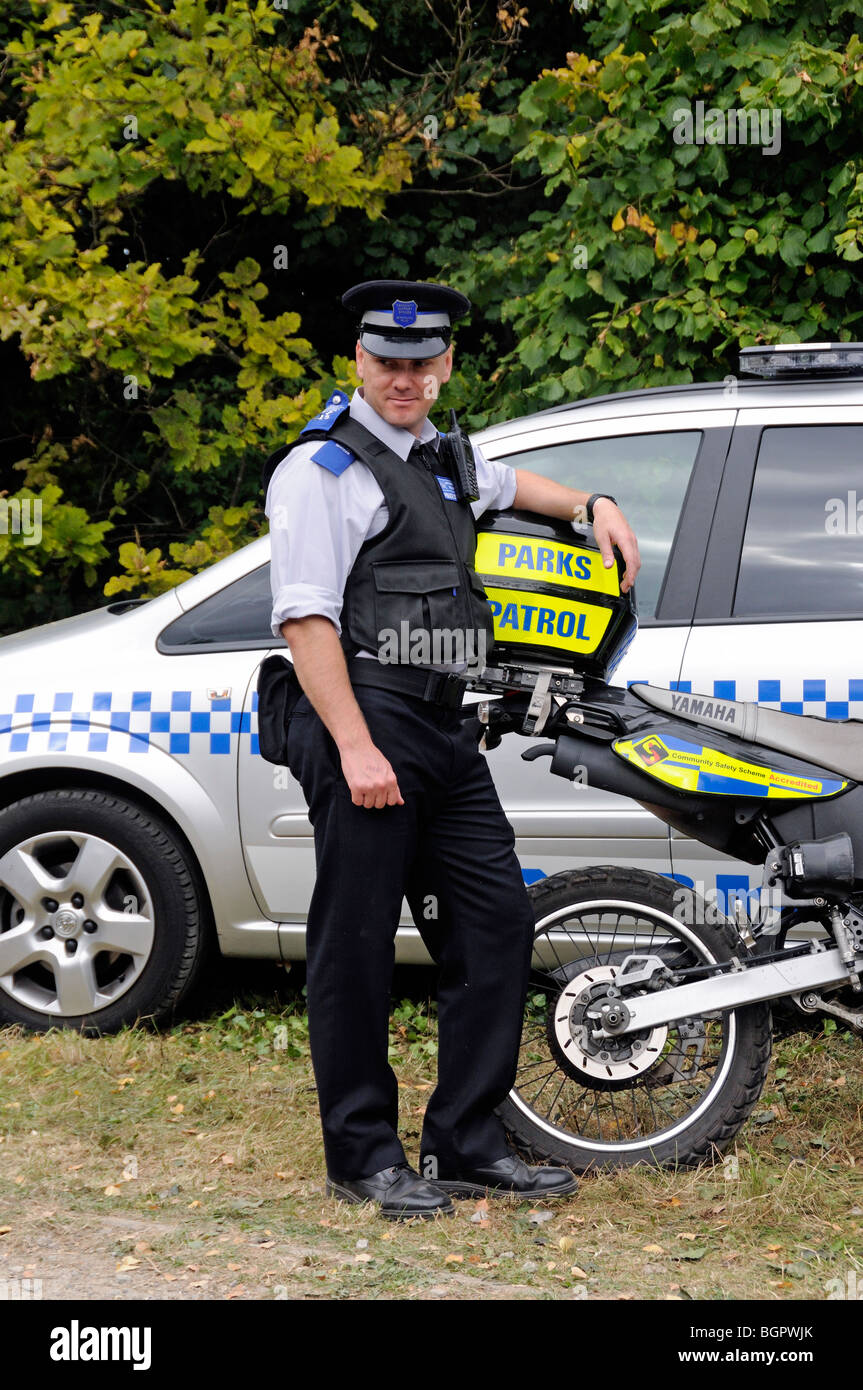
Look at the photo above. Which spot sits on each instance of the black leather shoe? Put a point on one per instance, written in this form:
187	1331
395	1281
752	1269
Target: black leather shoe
399	1192
510	1177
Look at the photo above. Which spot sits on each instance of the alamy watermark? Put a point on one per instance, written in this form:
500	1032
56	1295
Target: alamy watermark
77	1343
22	516
707	905
850	1288
843	516
437	646
22	1290
710	125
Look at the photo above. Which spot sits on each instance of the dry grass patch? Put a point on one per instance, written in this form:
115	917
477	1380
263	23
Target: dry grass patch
190	1164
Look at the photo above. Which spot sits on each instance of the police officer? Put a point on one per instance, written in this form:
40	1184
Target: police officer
372	529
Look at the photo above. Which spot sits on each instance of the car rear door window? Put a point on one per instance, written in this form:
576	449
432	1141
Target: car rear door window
802	550
235	618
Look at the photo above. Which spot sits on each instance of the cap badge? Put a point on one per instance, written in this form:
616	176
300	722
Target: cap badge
404	312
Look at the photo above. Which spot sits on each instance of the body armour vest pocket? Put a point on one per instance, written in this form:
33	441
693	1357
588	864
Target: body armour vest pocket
415	596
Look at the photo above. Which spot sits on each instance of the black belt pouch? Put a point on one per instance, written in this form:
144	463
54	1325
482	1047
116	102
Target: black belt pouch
278	692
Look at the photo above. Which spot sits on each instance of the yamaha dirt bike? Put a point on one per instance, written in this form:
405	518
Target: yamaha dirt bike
648	1028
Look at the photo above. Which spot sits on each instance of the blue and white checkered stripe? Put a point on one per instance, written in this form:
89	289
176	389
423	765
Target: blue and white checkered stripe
185	722
180	722
794	696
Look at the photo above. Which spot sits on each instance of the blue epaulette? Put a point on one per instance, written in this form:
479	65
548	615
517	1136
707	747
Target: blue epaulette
333	456
334	407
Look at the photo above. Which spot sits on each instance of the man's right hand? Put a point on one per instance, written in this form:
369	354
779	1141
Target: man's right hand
323	674
370	777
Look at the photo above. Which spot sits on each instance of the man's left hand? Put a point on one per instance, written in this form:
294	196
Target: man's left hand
611	528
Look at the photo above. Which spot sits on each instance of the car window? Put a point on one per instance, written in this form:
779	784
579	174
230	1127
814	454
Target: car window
235	618
647	473
802	551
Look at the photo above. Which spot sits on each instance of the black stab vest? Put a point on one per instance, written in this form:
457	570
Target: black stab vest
419	569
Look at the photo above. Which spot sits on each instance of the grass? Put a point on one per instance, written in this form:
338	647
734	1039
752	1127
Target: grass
189	1163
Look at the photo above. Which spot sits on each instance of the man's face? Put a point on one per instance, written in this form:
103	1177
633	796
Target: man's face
402	389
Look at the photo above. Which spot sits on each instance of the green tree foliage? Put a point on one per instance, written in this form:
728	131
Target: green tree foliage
176	95
649	259
158	160
186	188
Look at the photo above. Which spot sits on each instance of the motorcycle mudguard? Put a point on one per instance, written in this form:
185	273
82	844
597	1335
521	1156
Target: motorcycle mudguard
708	785
726	768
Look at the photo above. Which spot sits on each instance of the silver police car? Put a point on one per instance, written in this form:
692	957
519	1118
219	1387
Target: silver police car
140	827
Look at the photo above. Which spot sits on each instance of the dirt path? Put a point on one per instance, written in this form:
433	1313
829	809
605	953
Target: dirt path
118	1258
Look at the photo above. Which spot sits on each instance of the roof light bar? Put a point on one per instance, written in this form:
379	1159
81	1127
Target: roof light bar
802	359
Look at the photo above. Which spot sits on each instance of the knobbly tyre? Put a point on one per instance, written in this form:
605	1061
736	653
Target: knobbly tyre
648	1025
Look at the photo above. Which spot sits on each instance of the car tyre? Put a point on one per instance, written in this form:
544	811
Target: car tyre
104	917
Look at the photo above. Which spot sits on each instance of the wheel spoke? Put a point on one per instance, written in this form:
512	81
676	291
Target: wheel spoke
655	1098
23	876
614	934
76	984
544	1079
559	965
636	1118
614	1115
18	948
648	1096
524	1078
92	868
550	1111
128	932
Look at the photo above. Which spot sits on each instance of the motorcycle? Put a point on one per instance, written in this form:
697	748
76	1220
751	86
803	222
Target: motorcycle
649	1017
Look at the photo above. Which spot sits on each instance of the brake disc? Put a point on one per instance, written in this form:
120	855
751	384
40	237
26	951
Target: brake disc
601	1062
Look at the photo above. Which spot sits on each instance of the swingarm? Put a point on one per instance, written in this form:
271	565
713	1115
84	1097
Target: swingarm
623	1010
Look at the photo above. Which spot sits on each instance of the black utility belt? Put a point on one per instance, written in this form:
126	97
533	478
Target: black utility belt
437	687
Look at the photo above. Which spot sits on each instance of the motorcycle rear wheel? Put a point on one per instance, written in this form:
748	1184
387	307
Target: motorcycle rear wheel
673	1097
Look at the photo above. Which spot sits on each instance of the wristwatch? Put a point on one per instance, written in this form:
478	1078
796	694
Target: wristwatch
592	501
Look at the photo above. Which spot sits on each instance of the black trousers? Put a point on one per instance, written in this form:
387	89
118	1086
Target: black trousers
450	851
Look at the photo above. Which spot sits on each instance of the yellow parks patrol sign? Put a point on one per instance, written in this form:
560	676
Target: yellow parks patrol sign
546	594
546	561
541	620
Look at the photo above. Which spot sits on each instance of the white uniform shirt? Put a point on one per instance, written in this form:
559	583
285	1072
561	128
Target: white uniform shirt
319	520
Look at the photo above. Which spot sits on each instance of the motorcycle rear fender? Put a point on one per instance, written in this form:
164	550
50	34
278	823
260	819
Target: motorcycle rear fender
710	820
710	764
723	822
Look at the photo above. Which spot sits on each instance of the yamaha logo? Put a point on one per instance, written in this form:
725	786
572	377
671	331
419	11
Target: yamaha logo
697	707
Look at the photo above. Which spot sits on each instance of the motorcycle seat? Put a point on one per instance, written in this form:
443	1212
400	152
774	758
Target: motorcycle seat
834	744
